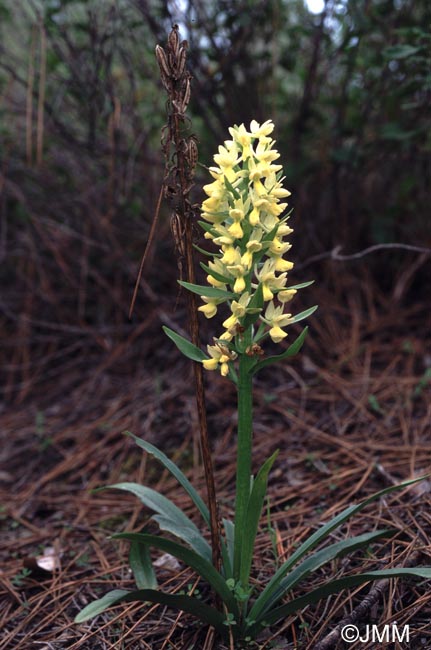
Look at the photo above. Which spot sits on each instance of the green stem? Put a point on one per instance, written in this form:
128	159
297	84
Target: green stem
244	446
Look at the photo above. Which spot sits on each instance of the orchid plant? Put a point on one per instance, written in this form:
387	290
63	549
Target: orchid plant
247	276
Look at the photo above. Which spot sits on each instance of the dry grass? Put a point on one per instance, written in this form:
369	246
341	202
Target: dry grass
337	444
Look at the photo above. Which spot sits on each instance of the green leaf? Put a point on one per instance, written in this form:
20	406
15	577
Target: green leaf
172	518
254	510
300	286
188	349
317	537
201	565
229	528
206	253
214	274
142	567
290	352
207	291
188	487
231	188
187	604
256	303
313	563
208	227
335	586
304	314
176	472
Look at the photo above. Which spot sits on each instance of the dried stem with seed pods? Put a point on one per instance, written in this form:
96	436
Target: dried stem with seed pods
181	153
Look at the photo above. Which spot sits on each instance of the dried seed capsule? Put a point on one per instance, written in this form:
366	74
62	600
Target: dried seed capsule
174	40
192	152
180	63
165	71
178	233
186	96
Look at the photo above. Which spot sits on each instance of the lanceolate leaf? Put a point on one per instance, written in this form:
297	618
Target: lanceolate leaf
302	285
229	529
202	566
142	567
206	253
304	314
188	604
231	188
256	303
214	274
176	472
172	518
290	352
188	487
188	349
251	523
309	565
317	537
208	291
335	586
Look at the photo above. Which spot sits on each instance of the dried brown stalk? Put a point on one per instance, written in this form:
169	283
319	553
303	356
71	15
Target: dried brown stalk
41	100
181	153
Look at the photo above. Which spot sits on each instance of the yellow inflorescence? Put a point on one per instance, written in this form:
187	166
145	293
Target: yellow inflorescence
244	211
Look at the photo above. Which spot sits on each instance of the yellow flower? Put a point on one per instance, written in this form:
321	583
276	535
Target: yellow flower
229	255
235	230
254	216
210	308
210	364
261	130
286	295
277	334
276	319
282	265
269	280
219	355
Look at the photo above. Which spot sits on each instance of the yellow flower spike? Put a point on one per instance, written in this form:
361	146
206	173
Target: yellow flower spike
241	220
